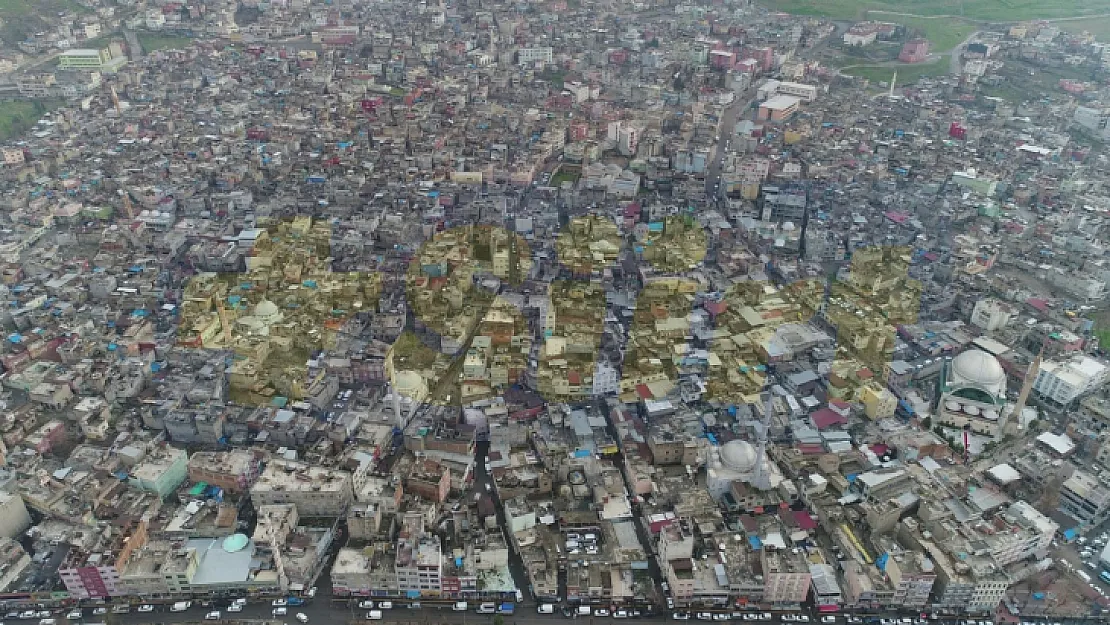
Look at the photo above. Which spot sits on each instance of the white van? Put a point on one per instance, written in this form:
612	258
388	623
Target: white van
487	608
182	606
584	610
546	608
460	606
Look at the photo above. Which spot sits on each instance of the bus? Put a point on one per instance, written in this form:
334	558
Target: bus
1105	576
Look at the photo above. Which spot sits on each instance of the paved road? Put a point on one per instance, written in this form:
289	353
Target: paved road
725	128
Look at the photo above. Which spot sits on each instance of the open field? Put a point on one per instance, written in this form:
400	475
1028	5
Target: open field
1098	26
17	116
151	42
907	73
21	18
943	34
985	10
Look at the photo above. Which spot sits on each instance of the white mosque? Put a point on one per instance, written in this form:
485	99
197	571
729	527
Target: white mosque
739	461
264	315
973	393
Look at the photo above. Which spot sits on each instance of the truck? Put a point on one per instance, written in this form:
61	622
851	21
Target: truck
506	608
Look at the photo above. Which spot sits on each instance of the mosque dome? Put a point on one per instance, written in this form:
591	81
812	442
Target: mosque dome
978	369
265	309
739	456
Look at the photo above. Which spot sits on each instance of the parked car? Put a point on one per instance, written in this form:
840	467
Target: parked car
278	603
374	615
145	608
704	616
302	617
280	611
366	605
681	616
546	608
828	619
385	605
74	615
100	610
235	607
721	616
460	606
27	614
620	613
601	612
212	616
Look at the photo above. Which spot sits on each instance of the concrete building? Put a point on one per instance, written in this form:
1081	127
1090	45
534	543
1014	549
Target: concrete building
779	108
233	471
162	471
991	314
316	491
1060	384
1085	498
14	518
786	577
419	563
103	60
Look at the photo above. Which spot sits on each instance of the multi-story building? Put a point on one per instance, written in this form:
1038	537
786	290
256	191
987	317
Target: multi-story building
419	561
1085	498
234	471
316	491
162	471
14	518
786	576
1059	384
991	314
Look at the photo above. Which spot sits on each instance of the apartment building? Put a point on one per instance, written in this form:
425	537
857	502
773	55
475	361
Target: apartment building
419	558
316	491
1059	383
786	576
233	471
1085	498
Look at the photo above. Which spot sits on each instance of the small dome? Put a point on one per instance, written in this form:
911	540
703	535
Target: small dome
979	369
265	308
236	542
739	456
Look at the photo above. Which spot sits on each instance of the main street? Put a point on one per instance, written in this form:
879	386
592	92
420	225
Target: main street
322	612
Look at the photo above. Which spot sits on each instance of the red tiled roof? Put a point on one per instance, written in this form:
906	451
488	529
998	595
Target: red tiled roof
644	392
804	521
827	417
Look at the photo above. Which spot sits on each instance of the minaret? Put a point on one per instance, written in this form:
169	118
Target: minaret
761	480
400	423
893	81
1023	396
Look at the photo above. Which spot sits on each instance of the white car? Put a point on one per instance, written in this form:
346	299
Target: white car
74	615
235	607
98	611
212	616
385	605
721	616
704	616
681	616
146	608
28	614
374	615
302	617
828	619
277	603
601	612
366	605
620	614
280	611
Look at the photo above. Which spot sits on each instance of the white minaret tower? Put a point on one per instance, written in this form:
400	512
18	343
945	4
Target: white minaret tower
400	420
893	81
762	480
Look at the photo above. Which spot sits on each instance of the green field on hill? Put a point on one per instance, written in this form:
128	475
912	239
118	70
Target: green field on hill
986	10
